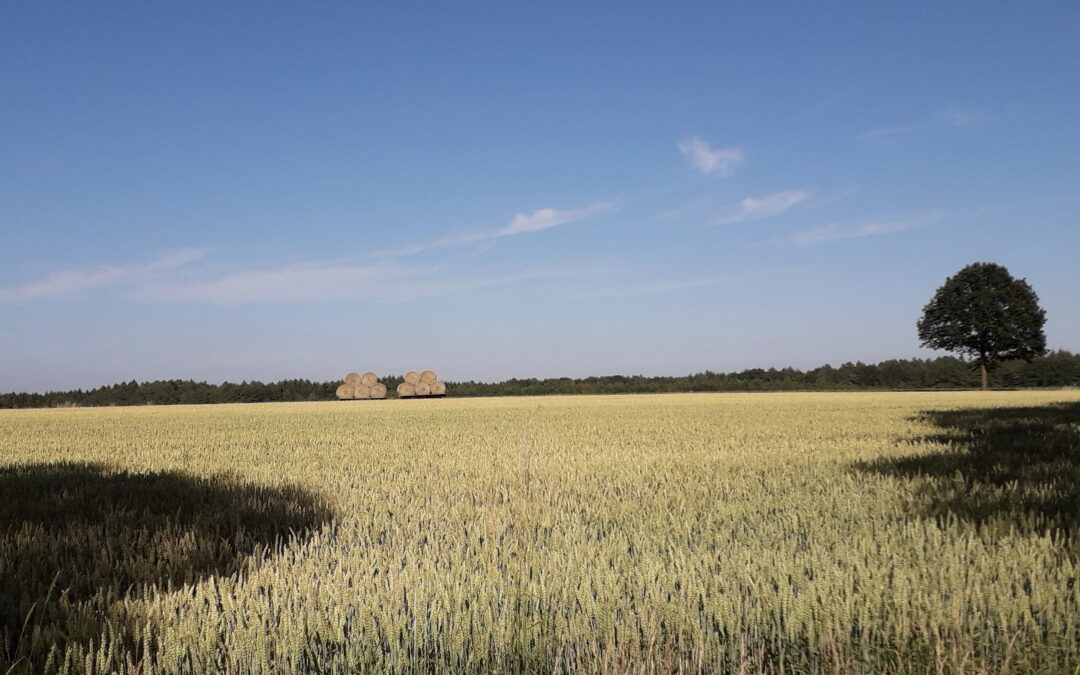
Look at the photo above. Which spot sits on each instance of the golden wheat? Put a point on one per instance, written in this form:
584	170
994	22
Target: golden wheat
767	532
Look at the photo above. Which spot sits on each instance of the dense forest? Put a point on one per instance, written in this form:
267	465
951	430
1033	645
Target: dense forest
1055	369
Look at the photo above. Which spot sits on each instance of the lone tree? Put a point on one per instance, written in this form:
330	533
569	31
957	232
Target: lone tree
986	315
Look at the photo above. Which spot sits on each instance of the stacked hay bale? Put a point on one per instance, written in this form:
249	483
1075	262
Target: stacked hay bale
364	386
425	384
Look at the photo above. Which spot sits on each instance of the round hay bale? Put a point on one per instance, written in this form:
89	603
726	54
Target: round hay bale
378	390
428	376
361	391
352	378
412	377
405	390
369	378
438	388
344	391
423	389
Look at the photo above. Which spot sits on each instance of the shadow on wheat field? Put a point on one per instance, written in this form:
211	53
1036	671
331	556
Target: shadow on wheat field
77	537
1000	468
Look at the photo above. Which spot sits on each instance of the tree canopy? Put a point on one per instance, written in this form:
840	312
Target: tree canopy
985	315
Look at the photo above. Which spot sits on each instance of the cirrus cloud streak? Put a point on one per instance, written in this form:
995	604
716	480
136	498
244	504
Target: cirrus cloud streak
330	283
767	206
74	282
835	231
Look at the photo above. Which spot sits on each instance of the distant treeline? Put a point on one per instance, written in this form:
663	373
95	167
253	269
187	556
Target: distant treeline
1056	369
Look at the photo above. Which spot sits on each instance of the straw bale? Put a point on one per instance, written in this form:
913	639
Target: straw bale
405	389
345	391
352	378
428	376
378	390
361	391
438	387
423	389
369	378
412	377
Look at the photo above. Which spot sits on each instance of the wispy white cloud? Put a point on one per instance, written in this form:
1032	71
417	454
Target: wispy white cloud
835	231
888	131
73	282
386	280
946	116
445	241
521	223
546	218
317	283
379	278
756	208
721	161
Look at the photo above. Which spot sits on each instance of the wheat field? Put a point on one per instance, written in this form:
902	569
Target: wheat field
901	532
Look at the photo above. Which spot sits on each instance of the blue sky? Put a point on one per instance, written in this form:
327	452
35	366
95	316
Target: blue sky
259	191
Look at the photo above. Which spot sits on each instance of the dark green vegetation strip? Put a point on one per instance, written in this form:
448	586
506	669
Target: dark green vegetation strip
1056	369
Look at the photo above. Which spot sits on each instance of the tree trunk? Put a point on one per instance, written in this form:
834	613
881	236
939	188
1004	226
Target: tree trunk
985	377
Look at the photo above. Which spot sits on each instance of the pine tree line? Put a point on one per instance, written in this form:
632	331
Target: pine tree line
1056	369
